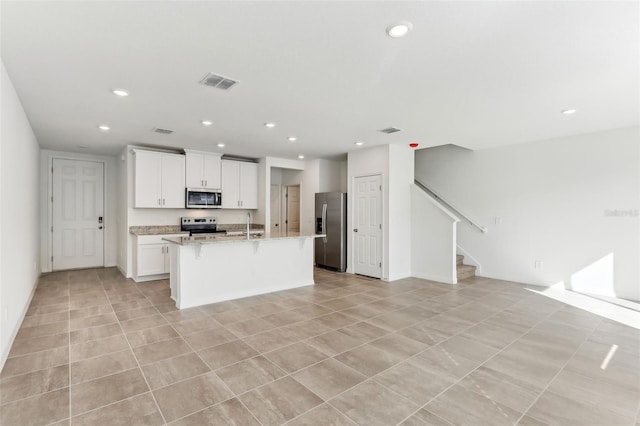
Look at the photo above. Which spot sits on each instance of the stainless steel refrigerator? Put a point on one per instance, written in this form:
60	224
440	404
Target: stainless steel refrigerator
331	220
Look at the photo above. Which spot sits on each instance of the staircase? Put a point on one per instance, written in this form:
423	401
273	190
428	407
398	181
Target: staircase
464	271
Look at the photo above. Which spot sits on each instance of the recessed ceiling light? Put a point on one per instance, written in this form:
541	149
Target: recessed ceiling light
270	125
359	143
104	127
292	139
568	111
207	122
301	157
221	145
120	92
399	30
83	146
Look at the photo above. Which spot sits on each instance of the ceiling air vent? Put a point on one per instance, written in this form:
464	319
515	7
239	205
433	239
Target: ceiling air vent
389	130
217	81
163	131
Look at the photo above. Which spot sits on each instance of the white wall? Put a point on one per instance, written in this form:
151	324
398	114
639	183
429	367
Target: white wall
19	213
554	199
401	178
433	239
331	176
110	207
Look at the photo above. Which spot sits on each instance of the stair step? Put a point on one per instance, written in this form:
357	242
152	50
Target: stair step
459	259
465	271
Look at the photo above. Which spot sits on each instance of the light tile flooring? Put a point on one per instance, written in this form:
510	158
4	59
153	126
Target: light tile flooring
97	349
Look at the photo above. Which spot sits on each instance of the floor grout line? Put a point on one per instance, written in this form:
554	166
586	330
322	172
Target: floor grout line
382	293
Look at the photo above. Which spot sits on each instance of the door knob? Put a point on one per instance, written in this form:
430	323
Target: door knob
355	230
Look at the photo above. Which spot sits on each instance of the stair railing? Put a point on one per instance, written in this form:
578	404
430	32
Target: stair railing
448	205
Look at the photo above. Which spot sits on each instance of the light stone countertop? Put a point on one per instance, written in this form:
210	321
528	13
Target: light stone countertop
222	239
155	230
175	229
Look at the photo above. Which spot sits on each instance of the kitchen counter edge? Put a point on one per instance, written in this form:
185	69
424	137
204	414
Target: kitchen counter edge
221	239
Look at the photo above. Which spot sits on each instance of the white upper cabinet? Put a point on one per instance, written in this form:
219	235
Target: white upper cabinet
159	180
173	181
203	170
239	185
249	185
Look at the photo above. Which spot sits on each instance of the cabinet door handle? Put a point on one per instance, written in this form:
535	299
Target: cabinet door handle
205	183
163	202
159	201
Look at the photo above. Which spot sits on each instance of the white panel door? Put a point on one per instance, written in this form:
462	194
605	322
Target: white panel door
367	230
148	179
212	171
230	184
173	189
195	171
78	214
248	185
293	208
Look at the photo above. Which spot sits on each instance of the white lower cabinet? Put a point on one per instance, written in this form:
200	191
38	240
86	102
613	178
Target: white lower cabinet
152	259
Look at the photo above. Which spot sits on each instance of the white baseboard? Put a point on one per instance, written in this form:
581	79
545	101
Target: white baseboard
440	279
513	280
398	277
151	278
14	333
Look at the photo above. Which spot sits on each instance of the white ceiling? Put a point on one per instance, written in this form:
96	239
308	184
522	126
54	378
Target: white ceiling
475	74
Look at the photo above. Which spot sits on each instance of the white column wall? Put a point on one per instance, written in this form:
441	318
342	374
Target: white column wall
19	213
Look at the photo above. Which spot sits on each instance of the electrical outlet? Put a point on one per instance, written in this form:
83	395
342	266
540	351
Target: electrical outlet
538	264
497	220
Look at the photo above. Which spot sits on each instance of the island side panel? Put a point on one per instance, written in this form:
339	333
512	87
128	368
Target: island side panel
174	268
210	273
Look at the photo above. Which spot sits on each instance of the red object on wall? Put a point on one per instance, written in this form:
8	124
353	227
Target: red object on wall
413	145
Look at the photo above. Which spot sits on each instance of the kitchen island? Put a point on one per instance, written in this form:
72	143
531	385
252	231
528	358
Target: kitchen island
214	268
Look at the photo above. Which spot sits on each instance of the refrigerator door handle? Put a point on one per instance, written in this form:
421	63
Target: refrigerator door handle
324	222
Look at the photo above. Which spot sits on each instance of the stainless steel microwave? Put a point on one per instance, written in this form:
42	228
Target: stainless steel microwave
197	198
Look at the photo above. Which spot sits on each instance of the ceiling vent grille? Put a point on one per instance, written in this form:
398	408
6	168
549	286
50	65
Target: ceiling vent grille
217	81
163	131
389	130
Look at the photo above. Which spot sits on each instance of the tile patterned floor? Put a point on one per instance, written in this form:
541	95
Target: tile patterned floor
97	349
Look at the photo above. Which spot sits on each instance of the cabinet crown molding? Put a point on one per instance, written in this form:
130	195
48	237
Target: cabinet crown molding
195	151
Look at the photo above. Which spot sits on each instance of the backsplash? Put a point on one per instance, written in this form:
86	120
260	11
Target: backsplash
239	226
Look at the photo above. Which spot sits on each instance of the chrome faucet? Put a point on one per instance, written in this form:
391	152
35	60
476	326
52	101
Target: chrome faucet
248	223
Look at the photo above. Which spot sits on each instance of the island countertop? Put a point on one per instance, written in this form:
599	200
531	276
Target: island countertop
222	239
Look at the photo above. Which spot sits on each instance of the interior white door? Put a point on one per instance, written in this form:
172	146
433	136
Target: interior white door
78	214
293	208
274	208
368	226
